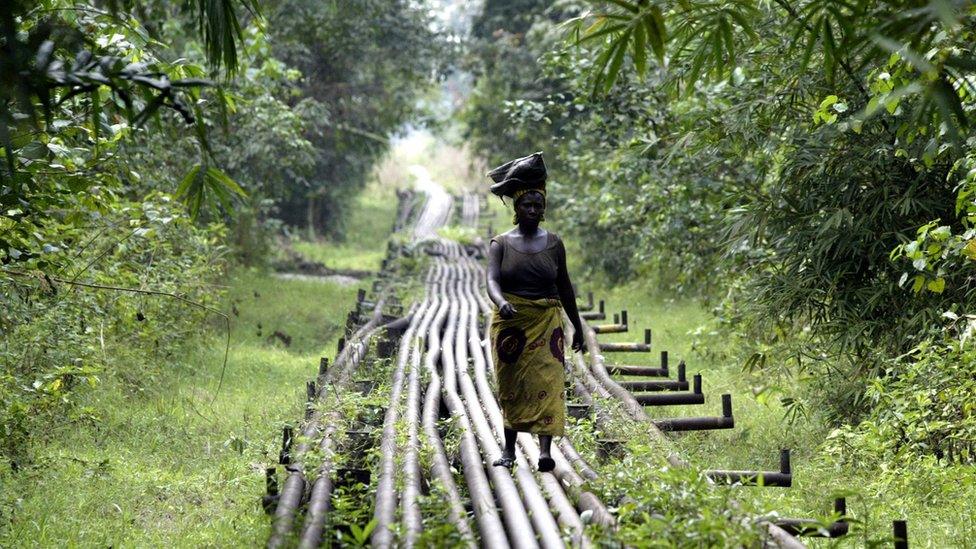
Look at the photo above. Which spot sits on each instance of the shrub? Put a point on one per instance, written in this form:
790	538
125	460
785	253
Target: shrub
58	337
923	406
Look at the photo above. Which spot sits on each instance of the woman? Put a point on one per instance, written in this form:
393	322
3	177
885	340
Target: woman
528	282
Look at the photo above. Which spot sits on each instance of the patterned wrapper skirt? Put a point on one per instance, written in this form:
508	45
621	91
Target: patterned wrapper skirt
528	355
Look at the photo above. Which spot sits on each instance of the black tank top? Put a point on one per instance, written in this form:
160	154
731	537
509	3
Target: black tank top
530	275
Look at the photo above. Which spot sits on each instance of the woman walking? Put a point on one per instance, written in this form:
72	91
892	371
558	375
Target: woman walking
530	286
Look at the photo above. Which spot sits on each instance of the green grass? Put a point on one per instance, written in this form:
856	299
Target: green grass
369	226
936	500
161	466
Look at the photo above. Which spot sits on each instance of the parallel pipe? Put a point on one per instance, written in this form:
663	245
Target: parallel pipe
432	397
815	528
628	347
518	524
656	385
493	533
777	535
585	500
645	371
782	478
673	399
320	499
385	493
725	421
294	487
410	510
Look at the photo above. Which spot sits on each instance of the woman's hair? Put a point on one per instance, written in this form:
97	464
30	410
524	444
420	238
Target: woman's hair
542	216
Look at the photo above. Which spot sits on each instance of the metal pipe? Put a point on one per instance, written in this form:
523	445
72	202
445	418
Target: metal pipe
270	499
900	530
518	521
615	328
489	522
750	478
646	371
725	421
594	315
655	385
588	306
814	528
624	348
577	460
563	471
385	498
628	347
309	398
287	436
634	409
319	503
671	399
409	508
432	398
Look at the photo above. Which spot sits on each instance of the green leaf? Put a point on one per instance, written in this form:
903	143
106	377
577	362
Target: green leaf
828	101
906	53
602	32
187	181
657	33
225	180
937	285
618	58
918	283
640	50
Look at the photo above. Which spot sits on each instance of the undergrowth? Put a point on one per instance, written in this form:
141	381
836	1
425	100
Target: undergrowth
881	483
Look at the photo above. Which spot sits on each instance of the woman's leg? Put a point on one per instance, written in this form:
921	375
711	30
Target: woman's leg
545	458
511	435
508	453
545	445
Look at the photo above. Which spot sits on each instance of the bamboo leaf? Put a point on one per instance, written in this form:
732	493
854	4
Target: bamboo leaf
726	29
187	181
602	32
640	50
618	59
656	32
224	180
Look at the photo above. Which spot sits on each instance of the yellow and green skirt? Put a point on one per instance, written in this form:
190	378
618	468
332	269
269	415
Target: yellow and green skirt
528	355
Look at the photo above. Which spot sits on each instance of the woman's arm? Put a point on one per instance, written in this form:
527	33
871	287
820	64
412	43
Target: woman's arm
568	298
505	309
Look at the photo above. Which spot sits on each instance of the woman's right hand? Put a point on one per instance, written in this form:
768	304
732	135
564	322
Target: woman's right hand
506	310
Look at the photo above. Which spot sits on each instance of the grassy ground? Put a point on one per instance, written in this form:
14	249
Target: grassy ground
369	226
163	460
936	500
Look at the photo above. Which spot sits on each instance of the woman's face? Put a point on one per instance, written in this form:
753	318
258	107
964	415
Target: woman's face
530	207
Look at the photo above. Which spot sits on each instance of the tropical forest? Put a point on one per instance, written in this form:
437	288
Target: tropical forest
488	273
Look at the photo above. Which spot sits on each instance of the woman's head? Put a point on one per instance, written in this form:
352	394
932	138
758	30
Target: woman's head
530	206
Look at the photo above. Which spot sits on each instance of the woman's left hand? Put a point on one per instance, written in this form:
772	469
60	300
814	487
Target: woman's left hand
578	344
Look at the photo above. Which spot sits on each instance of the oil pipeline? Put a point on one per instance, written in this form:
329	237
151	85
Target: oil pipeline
441	372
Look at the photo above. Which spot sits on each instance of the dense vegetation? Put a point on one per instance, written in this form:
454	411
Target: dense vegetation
148	146
806	167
